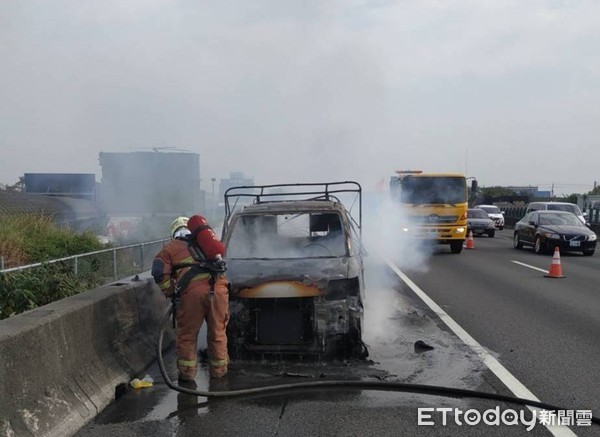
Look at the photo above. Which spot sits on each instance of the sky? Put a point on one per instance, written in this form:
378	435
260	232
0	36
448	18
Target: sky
301	91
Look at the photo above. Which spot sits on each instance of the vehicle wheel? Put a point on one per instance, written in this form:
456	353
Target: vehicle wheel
517	242
491	234
456	246
501	227
588	252
538	246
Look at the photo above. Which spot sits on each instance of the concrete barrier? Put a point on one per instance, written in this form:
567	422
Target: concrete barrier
62	363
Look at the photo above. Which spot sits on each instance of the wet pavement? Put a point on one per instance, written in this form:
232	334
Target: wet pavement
391	331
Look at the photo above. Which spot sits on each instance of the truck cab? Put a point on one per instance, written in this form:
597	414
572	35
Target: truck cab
435	205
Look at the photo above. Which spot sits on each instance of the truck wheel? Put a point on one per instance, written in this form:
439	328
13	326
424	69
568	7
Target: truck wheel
456	246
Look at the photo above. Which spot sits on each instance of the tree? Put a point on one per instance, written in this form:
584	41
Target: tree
571	198
18	186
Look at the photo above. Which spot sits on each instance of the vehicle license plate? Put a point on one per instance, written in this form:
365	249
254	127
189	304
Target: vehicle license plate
575	243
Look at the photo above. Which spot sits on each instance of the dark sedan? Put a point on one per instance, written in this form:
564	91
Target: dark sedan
545	230
480	223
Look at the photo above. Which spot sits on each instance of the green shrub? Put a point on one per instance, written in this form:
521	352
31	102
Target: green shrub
24	290
26	239
30	239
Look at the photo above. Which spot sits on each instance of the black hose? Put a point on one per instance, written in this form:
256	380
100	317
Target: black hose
364	385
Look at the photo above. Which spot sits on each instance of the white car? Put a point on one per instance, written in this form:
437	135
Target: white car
494	213
557	206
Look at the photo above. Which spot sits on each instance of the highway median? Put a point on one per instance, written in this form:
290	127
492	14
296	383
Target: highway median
62	363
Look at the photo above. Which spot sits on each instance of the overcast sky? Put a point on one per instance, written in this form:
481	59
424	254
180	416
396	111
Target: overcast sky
308	90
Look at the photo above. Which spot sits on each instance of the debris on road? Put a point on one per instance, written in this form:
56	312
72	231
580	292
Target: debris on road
421	346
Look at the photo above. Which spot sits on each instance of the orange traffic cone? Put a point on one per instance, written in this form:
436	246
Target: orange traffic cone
555	268
470	242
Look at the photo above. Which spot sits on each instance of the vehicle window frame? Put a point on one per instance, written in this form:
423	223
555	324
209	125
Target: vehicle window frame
535	218
477	211
345	236
569	216
527	217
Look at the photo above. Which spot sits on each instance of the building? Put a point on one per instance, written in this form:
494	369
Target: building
236	179
75	185
68	199
531	191
77	214
150	183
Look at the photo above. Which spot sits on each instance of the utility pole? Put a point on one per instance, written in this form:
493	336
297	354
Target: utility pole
214	201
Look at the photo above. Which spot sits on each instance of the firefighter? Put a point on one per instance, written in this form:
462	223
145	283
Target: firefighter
190	270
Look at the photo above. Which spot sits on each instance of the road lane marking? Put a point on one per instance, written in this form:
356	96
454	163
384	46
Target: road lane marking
507	378
527	265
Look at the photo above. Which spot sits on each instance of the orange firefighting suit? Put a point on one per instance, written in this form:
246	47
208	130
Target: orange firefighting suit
197	303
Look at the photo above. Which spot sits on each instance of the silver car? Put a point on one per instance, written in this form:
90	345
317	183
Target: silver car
479	223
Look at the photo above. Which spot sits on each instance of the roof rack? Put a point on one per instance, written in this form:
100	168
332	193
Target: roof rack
298	191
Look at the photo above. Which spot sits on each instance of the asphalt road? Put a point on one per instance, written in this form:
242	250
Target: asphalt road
546	331
542	330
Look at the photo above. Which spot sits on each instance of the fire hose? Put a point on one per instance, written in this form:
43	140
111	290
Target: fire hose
360	385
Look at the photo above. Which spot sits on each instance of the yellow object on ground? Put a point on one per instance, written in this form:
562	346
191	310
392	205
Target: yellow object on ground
142	383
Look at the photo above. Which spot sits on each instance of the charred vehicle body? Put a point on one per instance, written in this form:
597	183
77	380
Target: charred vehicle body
295	264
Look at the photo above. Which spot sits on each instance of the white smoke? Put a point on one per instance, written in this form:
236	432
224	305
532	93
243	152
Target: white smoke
385	240
385	236
284	235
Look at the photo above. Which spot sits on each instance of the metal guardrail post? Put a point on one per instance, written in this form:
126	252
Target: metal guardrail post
1	263
114	252
75	265
142	257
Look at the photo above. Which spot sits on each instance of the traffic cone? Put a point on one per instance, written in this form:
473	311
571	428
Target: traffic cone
555	268
470	241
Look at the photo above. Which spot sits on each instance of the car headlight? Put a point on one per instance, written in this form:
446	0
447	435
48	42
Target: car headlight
460	230
551	235
592	237
491	225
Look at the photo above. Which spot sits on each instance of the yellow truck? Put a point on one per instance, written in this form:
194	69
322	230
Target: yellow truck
434	205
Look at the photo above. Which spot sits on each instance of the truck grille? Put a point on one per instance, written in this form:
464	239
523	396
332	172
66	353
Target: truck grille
433	218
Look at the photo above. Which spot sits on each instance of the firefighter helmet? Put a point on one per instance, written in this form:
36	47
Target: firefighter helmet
177	225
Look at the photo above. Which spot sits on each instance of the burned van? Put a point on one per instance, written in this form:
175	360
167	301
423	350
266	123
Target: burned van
294	260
